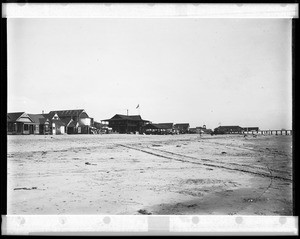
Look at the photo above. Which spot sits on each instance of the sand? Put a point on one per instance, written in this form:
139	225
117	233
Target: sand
149	174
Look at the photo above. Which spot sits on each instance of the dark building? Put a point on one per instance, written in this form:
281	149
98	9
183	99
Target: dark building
228	130
126	123
182	128
20	123
42	124
161	128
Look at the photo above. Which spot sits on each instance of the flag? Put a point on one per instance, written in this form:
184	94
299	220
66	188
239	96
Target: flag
137	106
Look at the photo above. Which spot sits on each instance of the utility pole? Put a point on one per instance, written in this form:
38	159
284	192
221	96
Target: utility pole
127	112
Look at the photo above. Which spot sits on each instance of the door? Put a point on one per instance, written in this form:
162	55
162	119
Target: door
31	130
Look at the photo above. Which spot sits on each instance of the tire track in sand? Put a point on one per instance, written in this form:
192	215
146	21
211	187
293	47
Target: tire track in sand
264	172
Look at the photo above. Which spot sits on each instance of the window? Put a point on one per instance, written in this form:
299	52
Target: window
25	126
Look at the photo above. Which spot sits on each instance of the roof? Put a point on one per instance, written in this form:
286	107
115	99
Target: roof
250	128
62	113
66	121
229	127
126	117
58	122
164	125
38	118
183	125
14	116
72	124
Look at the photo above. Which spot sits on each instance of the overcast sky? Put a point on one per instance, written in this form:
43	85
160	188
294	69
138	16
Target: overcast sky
199	71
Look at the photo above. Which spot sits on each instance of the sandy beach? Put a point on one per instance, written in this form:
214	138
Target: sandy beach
149	174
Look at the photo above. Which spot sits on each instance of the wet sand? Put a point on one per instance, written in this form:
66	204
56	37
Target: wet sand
149	174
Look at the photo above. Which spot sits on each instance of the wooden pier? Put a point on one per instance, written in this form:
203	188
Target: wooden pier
276	132
271	132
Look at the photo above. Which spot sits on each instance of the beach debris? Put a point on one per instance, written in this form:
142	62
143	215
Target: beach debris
178	145
156	145
144	212
88	163
44	152
209	169
25	188
111	158
192	205
224	153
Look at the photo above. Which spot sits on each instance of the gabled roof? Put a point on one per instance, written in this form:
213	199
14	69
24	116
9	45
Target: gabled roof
126	117
14	116
72	123
38	118
62	113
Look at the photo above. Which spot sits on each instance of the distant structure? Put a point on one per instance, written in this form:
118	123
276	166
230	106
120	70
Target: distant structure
198	130
20	123
75	121
203	130
42	124
228	130
160	128
55	122
101	128
125	124
250	130
182	128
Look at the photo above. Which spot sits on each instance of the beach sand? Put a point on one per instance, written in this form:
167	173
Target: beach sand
149	174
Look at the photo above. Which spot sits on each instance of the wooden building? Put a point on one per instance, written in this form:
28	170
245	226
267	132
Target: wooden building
126	123
42	124
160	128
75	121
56	125
20	123
250	130
228	130
182	128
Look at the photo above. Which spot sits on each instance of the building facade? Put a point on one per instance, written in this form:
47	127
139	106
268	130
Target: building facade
228	130
20	123
125	124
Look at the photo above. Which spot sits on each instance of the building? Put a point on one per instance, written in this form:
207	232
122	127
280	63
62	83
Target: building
42	124
20	123
228	130
182	128
56	125
102	128
161	128
126	123
251	130
75	121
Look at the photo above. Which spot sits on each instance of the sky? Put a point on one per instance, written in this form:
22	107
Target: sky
178	70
